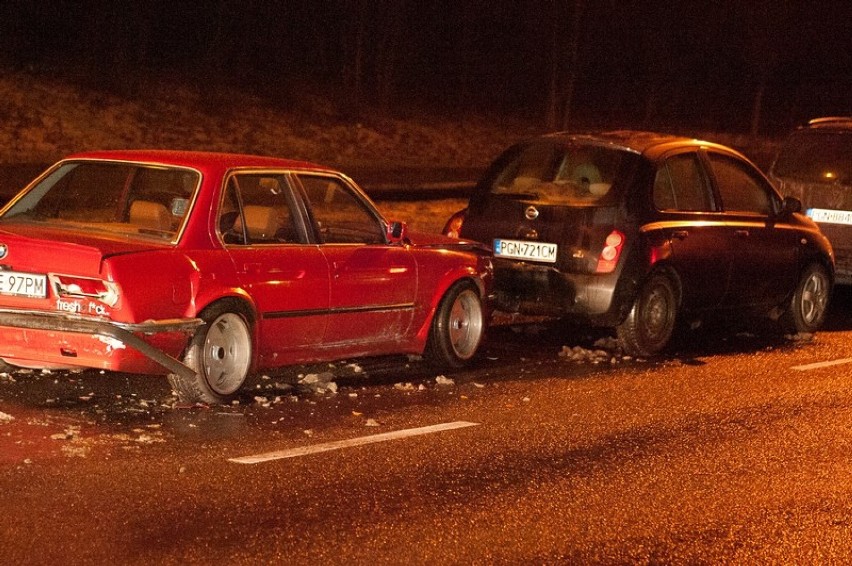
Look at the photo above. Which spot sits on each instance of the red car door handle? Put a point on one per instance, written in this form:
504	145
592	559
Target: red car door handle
251	268
742	233
680	234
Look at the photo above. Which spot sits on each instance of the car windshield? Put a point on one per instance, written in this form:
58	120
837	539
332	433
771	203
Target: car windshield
554	172
816	157
124	198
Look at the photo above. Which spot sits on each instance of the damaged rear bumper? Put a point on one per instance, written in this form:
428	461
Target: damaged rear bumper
125	333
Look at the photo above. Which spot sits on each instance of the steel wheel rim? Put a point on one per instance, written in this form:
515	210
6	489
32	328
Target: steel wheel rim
814	297
657	311
465	324
226	353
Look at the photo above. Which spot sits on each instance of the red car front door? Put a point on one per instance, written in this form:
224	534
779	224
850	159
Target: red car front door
373	284
373	289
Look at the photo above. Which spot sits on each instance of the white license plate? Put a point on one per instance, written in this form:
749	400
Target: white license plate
519	249
828	216
23	284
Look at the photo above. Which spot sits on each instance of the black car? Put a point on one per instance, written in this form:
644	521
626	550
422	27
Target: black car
814	164
631	230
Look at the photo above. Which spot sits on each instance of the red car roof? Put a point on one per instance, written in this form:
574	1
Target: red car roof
195	159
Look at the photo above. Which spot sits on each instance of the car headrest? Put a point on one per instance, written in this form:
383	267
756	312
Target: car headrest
150	214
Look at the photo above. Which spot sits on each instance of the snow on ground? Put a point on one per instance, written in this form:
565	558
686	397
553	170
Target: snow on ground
43	119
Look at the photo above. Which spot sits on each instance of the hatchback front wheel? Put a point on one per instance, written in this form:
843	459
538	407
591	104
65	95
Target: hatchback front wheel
807	308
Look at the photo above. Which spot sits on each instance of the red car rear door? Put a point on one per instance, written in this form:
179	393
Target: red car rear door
286	277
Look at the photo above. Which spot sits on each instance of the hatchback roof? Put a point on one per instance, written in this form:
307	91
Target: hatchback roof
650	144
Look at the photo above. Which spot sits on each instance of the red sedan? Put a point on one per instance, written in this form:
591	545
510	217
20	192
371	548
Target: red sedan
208	267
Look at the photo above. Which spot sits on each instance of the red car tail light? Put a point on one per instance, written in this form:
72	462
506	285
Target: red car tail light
611	252
71	286
454	225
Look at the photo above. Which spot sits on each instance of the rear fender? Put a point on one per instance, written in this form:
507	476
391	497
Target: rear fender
628	287
241	303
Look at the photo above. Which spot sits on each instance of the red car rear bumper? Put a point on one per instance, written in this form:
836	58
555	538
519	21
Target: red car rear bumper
57	340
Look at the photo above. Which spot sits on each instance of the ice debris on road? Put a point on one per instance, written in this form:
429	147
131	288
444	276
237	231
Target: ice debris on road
444	380
6	418
604	350
408	386
319	383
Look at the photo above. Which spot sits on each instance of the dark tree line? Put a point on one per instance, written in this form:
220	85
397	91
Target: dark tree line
564	63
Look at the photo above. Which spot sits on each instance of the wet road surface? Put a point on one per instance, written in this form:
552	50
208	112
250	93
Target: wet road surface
553	447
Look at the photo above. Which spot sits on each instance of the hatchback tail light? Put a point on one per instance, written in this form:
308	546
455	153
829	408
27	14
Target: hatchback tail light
611	252
454	225
71	286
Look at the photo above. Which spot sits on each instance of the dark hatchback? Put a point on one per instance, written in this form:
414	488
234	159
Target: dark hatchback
633	230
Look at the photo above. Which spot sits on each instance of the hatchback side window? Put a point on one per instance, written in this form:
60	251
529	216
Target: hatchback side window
257	210
740	189
680	184
341	217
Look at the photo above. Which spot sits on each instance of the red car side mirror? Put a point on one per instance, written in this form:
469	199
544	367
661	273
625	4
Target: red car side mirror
397	232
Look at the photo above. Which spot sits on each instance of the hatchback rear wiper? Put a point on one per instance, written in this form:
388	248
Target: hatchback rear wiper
518	196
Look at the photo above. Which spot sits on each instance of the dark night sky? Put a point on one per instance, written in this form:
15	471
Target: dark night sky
626	62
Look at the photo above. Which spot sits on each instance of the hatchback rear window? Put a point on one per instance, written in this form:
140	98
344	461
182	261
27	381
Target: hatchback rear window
816	157
557	173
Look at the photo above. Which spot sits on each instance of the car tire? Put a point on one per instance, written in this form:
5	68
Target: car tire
807	308
457	328
651	321
220	352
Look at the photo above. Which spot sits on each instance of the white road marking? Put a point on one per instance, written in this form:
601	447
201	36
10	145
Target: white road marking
819	365
340	444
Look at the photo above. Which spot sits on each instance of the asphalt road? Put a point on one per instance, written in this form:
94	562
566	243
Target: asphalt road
733	449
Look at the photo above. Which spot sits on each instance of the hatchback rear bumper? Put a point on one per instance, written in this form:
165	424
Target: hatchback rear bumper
541	290
113	335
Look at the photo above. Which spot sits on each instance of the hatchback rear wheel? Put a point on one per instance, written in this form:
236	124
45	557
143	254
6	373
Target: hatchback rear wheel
651	321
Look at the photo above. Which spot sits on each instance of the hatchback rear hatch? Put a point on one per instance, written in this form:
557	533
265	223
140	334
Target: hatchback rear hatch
553	203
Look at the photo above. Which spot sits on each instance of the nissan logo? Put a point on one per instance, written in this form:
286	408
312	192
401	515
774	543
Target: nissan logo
4	249
531	213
